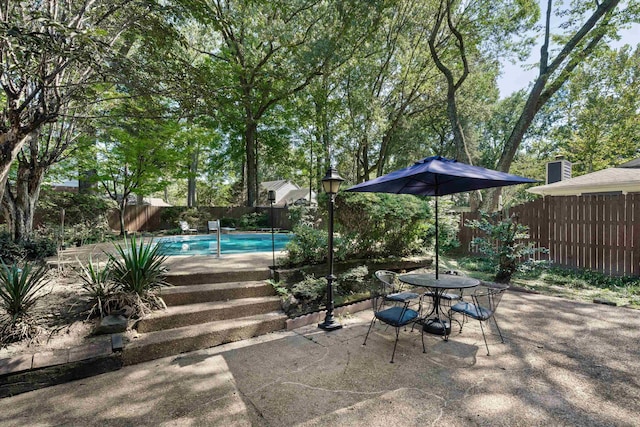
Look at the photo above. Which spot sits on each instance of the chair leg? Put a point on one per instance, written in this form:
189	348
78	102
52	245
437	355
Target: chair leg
395	344
498	327
369	330
485	338
424	350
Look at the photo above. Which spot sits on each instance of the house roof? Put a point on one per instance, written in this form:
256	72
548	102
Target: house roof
631	164
276	185
295	195
616	180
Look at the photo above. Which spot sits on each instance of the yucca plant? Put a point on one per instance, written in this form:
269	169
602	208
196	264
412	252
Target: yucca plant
138	270
20	289
99	286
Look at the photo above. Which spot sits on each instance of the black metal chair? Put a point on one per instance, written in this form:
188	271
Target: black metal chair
391	307
483	308
390	287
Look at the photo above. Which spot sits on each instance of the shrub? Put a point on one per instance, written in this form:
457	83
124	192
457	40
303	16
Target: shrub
99	287
374	224
303	215
85	216
310	292
503	243
138	272
39	248
32	249
308	246
253	220
354	281
10	251
20	289
228	222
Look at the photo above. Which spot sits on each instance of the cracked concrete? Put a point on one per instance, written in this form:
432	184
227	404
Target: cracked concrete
563	363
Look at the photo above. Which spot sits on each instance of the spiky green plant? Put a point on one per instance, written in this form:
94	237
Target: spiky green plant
138	271
99	286
20	289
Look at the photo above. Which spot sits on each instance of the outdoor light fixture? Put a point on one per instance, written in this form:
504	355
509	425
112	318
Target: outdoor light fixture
272	199
331	184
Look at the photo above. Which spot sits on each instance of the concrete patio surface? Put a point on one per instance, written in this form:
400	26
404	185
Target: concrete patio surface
563	363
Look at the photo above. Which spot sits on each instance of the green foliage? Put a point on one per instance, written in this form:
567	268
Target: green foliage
311	289
10	251
228	222
308	246
354	281
85	216
253	220
374	224
39	248
139	267
99	286
302	215
503	243
20	289
32	249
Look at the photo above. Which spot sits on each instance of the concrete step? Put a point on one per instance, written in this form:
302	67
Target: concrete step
154	345
193	294
192	314
217	277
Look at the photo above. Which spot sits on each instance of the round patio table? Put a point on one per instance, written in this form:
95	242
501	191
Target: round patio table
436	324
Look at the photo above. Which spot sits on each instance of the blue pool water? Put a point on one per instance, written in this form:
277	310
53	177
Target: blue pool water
233	243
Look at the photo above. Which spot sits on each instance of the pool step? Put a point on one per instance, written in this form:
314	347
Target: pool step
168	342
184	279
193	294
204	314
193	314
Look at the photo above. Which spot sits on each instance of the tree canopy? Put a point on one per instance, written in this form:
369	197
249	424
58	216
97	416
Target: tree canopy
247	91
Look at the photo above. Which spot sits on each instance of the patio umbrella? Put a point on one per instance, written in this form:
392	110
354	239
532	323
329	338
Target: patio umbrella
438	176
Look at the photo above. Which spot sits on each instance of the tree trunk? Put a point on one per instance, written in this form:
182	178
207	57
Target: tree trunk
11	143
19	202
192	201
122	208
86	183
250	133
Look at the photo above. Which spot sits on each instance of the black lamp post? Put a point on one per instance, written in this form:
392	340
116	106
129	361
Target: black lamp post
331	184
272	199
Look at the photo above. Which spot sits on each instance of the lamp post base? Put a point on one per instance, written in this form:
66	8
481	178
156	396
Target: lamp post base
329	326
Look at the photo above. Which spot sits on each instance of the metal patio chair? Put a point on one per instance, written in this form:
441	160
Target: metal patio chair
391	307
483	308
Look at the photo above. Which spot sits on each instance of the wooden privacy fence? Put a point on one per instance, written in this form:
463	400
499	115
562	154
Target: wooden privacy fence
599	232
150	218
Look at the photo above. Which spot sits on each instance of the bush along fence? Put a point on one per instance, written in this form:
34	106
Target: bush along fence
154	218
599	232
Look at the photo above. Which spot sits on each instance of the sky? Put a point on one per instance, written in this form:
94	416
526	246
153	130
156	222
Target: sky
514	77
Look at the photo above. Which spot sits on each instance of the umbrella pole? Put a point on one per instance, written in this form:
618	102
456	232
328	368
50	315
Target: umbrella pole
437	240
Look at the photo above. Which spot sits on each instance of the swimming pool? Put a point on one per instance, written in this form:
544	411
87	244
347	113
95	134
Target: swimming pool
233	243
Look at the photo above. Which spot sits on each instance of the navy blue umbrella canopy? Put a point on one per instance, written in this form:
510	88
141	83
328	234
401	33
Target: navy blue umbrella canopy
438	176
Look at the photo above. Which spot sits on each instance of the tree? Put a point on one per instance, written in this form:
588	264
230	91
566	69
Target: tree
34	161
587	25
461	30
268	52
53	51
134	155
602	126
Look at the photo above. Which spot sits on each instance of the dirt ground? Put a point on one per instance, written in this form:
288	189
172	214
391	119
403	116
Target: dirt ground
61	316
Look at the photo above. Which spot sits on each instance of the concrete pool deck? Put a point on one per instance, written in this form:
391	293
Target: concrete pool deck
177	264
